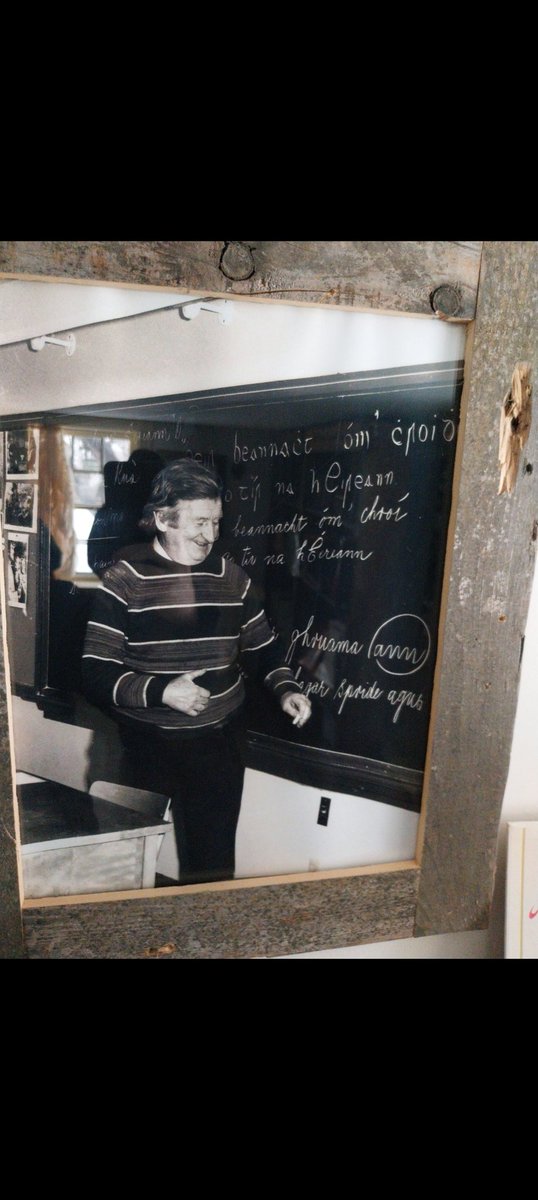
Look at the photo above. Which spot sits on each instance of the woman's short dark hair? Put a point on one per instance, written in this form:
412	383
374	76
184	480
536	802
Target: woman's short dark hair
181	480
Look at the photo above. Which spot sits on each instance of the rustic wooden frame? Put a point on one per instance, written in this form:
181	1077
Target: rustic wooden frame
491	554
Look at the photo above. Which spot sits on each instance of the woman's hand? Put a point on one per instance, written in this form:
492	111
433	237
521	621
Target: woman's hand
296	706
186	696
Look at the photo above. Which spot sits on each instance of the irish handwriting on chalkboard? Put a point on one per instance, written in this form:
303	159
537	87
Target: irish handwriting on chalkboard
319	641
407	436
345	691
335	481
374	513
317	549
405	658
294	525
401	645
356	439
181	439
288	448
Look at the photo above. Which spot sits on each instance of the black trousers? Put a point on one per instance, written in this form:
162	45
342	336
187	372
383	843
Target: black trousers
203	775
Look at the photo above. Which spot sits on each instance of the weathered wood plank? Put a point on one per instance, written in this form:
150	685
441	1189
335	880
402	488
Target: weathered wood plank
11	937
246	923
395	276
491	578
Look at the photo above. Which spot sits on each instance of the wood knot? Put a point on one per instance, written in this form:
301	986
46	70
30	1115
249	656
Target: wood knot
515	423
446	300
236	261
160	951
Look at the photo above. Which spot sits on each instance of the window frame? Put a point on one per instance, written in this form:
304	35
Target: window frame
87	578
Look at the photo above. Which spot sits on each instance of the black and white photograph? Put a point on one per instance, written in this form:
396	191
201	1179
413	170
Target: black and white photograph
17	570
269	599
235	648
22	453
20	506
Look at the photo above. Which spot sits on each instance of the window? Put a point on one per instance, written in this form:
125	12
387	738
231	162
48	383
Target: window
87	457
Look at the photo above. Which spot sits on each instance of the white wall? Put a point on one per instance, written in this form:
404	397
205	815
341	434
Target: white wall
278	829
521	793
29	310
158	353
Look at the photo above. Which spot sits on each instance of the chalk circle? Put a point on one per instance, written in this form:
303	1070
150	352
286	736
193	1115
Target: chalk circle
406	641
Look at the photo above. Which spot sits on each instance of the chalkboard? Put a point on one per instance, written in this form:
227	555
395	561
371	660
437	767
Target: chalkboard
337	496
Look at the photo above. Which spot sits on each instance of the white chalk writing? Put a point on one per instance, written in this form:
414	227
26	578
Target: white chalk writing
335	481
321	641
250	491
312	687
317	549
295	525
404	699
346	691
356	438
289	448
414	434
374	513
329	519
403	647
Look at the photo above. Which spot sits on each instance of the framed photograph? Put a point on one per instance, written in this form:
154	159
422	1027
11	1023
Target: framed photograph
20	506
22	453
355	504
17	570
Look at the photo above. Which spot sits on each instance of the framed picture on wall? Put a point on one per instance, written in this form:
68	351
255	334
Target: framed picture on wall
22	453
452	869
17	570
20	506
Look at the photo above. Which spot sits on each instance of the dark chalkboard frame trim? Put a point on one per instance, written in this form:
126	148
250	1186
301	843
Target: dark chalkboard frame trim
452	890
418	376
349	773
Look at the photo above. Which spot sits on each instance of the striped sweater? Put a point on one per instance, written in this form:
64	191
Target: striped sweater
154	619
